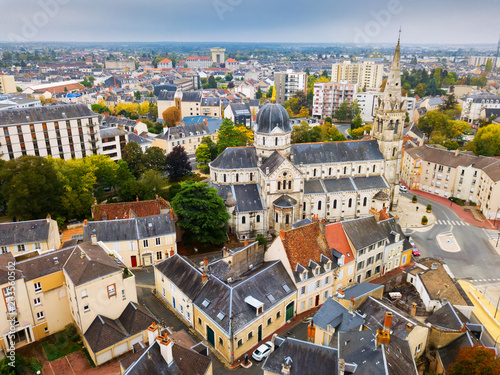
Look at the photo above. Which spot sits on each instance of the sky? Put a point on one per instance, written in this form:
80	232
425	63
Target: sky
313	21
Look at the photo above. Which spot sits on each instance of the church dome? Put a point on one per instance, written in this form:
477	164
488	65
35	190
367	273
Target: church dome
271	116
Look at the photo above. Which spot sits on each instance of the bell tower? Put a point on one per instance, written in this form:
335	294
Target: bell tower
388	126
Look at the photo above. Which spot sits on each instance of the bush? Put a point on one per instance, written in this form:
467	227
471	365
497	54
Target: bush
414	199
429	207
262	240
424	220
458	201
35	365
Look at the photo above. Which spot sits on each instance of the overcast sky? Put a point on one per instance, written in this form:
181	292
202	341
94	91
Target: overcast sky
327	21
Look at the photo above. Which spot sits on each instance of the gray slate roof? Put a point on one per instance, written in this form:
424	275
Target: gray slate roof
335	152
44	264
305	357
182	273
360	290
271	116
370	183
449	353
313	187
272	162
285	201
447	317
339	185
236	158
191	96
248	198
337	316
24	232
130	229
111	132
363	232
45	114
189	130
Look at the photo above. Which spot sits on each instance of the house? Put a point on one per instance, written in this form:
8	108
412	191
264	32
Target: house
448	354
236	301
165	64
113	142
166	356
124	210
359	293
294	357
136	241
232	64
306	255
239	113
346	256
25	237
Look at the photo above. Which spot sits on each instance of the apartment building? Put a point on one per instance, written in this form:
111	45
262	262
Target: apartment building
199	62
288	83
62	131
368	104
473	105
327	97
165	64
120	65
113	141
34	236
482	60
367	74
7	84
454	174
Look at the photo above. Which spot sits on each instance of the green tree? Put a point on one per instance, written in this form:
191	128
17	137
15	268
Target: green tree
31	187
329	119
150	184
420	90
201	213
437	76
475	360
343	112
212	84
487	141
232	136
258	94
431	121
228	77
478	81
432	88
203	157
134	157
154	158
123	174
177	163
106	171
137	95
489	65
357	122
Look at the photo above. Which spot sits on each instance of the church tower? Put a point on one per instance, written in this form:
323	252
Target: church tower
388	127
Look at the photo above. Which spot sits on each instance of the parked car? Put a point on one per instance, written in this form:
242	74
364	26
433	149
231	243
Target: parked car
412	243
415	252
263	351
403	189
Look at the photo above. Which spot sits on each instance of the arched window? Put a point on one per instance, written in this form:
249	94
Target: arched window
289	185
257	218
287	219
279	185
243	220
396	127
276	141
304	206
345	170
334	204
364	202
263	141
359	169
276	217
215	177
350	203
314	172
394	151
251	176
237	178
319	205
224	177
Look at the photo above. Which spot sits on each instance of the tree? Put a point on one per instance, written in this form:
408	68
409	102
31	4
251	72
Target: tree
133	156
228	77
432	120
487	141
137	95
171	116
106	171
489	65
269	93
329	119
177	163
231	135
31	187
357	122
201	213
478	81
258	94
475	360
420	90
150	184
432	88
304	112
212	84
154	159
203	157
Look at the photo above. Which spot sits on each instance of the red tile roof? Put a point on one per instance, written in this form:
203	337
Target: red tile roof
165	61
304	244
232	61
199	58
337	240
127	210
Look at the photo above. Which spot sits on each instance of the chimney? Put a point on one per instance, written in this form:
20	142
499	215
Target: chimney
456	152
137	121
48	218
95	201
137	198
172	251
93	239
153	332
409	327
205	265
205	121
85	222
341	366
245	243
286	366
388	321
171	214
204	277
351	306
413	310
311	332
166	345
282	234
463	328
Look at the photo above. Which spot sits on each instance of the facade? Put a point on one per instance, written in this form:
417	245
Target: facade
62	131
120	65
288	83
239	114
113	142
231	64
218	55
365	73
455	174
328	96
7	84
165	64
482	60
211	107
474	104
199	62
136	241
368	104
25	237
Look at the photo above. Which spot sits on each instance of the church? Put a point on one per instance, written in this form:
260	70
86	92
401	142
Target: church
269	186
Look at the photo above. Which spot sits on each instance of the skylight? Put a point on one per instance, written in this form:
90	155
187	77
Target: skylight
205	303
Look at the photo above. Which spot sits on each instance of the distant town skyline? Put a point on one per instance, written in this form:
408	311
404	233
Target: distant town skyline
321	21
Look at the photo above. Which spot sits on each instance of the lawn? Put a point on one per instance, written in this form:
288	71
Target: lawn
61	344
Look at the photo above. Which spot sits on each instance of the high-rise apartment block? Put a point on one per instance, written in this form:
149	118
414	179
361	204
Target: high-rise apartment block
288	83
365	73
328	96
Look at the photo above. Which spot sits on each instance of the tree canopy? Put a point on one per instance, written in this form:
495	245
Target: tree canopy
177	163
133	156
487	141
201	213
476	360
305	133
171	116
231	135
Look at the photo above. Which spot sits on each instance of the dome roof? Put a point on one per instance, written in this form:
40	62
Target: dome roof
271	116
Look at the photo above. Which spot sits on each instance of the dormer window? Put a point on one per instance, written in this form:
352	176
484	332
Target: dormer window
328	266
317	271
304	276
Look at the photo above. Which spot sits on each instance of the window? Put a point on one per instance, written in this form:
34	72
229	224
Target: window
359	169
84	293
379	256
327	280
279	185
269	321
302	305
159	255
251	176
276	217
319	205
287	219
221	341
37	301
374	168
131	245
158	241
377	269
250	335
310	302
243	220
38	287
240	343
278	315
360	265
40	315
224	177
111	290
318	283
21	248
334	204
364	201
145	243
86	308
257	218
46	329
123	293
368	274
37	246
369	261
350	203
326	294
4	249
276	141
303	290
237	177
314	172
418	348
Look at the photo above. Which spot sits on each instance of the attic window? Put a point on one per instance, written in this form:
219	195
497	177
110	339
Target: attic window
286	288
205	303
221	315
270	297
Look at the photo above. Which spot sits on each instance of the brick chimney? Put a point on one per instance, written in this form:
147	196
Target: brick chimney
245	243
413	311
153	332
85	222
311	332
166	345
409	327
286	366
205	265
351	306
282	234
205	121
172	252
137	198
384	335
463	328
48	218
388	321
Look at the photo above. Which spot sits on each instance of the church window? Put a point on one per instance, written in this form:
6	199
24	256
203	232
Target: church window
215	176
276	217
345	170
276	141
374	168
284	174
396	127
394	151
257	218
350	203
359	169
319	205
289	185
330	171
243	220
279	185
224	177
364	202
237	177
251	176
263	141
287	219
334	203
304	206
314	172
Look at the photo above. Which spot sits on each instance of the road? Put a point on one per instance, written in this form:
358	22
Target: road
343	128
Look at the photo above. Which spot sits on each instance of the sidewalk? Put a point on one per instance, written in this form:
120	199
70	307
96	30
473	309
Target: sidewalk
484	310
410	214
464	215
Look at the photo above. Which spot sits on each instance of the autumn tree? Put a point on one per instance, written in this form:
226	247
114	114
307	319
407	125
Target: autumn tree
171	116
487	141
177	163
231	135
304	112
475	360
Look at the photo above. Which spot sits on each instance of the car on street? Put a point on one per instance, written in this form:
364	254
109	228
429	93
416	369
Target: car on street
263	351
415	252
412	243
403	189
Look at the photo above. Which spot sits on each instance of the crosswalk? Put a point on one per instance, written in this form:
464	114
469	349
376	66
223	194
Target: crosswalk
492	234
452	222
485	280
